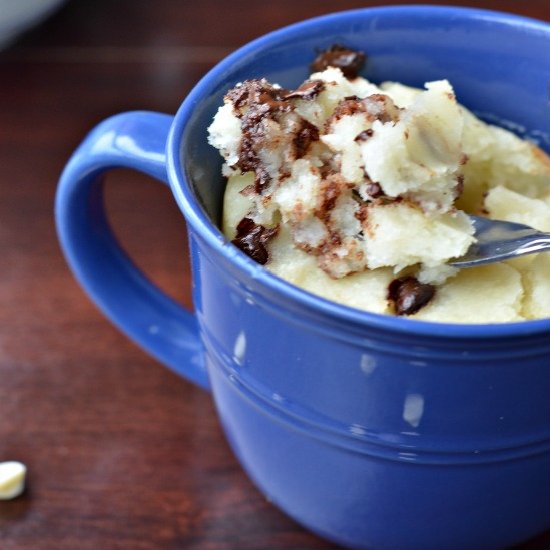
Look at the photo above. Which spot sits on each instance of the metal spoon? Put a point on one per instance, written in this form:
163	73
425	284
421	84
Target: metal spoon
498	240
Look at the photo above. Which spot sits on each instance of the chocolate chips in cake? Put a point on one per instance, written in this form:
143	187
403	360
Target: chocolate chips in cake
252	239
349	61
356	178
408	295
255	102
310	89
365	182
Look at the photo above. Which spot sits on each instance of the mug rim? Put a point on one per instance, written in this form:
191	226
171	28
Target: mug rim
212	234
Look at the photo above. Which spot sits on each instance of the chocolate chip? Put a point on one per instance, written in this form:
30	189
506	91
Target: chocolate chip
349	61
364	135
409	295
252	239
310	89
259	95
255	101
374	190
305	136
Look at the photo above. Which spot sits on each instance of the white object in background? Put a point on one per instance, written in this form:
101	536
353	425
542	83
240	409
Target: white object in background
12	479
17	16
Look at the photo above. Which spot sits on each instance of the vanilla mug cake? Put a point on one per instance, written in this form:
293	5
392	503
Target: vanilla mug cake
359	193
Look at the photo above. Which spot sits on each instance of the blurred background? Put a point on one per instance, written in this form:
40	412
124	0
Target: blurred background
121	452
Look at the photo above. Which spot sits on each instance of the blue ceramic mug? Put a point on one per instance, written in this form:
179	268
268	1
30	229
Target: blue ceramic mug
372	431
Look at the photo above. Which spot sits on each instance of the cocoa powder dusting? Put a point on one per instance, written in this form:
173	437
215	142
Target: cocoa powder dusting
409	295
348	106
362	214
330	190
252	239
381	107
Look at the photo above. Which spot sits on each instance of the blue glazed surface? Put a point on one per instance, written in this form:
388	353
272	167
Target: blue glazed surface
149	317
373	431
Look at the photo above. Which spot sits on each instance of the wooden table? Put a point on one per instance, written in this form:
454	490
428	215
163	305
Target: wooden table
121	453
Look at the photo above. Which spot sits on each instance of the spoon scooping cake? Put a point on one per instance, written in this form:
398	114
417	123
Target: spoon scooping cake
359	193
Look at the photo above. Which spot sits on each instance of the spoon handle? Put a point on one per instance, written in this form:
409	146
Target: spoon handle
481	253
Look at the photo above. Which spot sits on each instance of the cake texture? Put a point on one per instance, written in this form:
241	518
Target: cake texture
360	193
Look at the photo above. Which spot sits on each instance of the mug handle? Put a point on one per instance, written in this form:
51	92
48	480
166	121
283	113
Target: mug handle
135	305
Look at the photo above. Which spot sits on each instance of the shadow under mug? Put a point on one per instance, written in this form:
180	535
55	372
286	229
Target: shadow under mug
370	430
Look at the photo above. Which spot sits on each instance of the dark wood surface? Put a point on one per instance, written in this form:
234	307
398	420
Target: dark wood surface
121	453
